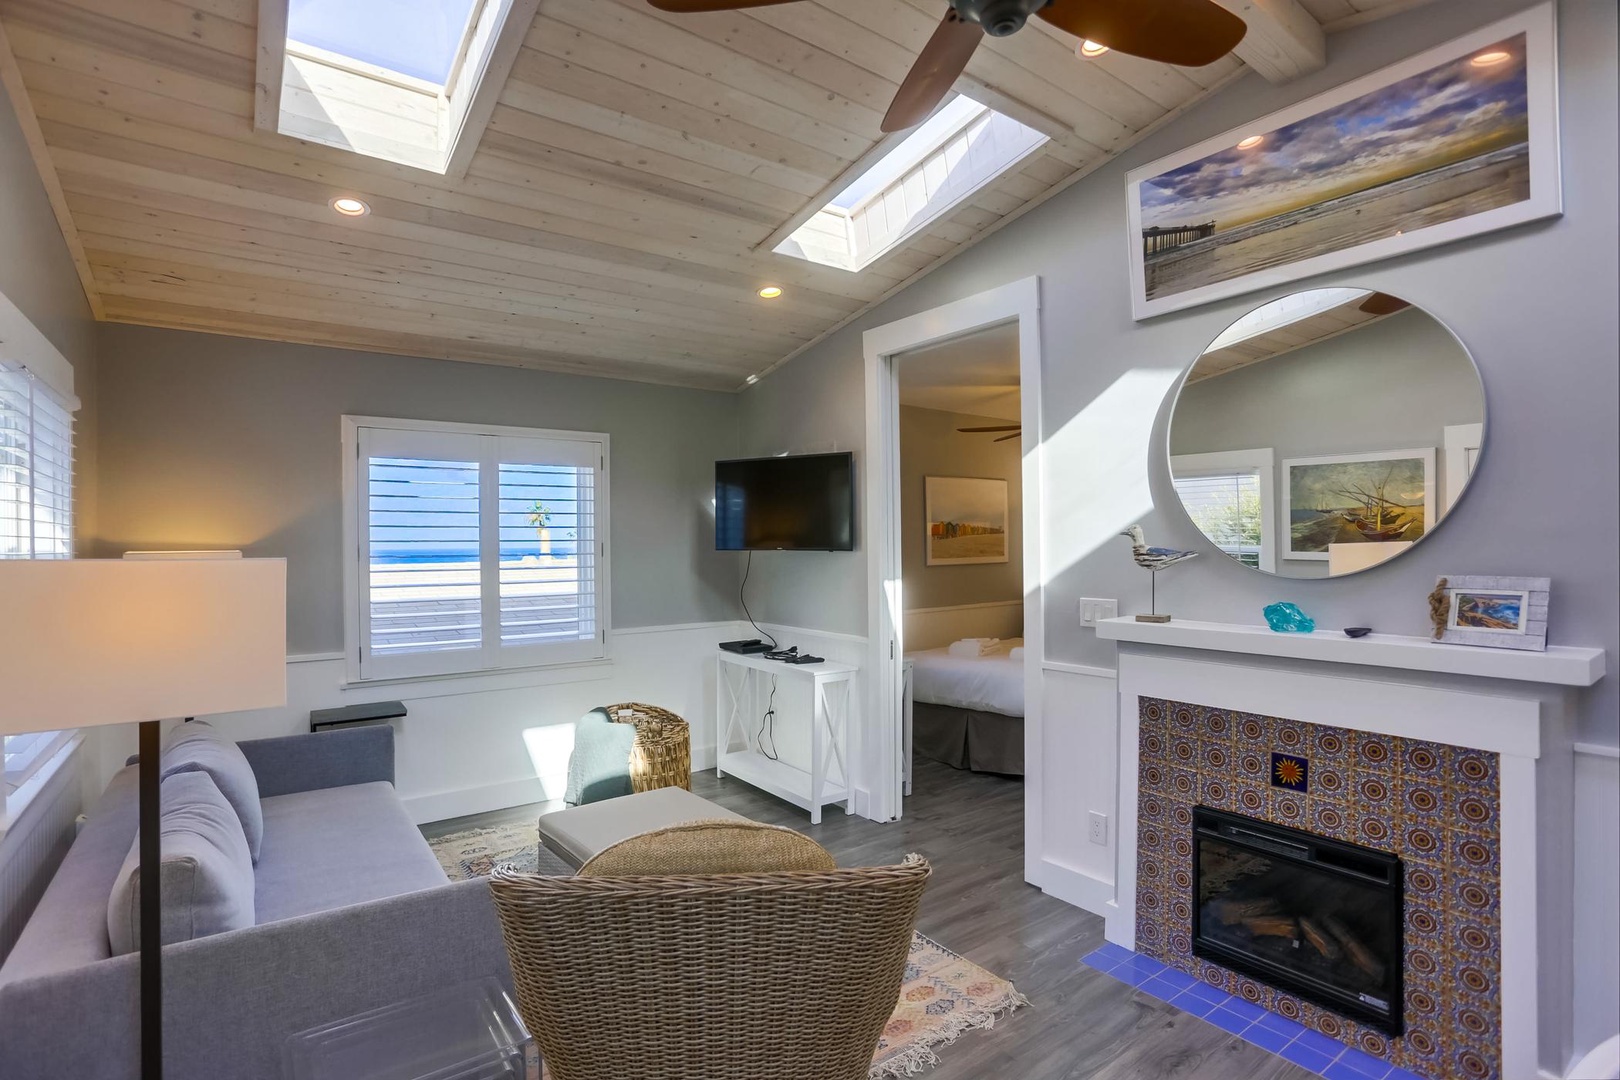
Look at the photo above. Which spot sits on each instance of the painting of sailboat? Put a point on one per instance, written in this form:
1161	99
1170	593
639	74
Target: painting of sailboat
1372	498
1459	140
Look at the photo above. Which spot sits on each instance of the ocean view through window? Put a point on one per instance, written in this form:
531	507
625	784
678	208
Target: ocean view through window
477	549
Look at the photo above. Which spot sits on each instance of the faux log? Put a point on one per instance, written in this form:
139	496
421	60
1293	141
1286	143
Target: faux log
1320	939
1360	955
1282	926
1235	911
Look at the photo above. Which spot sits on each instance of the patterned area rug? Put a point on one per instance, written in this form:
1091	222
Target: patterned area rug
941	997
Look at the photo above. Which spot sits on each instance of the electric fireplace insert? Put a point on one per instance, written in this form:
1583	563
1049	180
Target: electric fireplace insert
1315	917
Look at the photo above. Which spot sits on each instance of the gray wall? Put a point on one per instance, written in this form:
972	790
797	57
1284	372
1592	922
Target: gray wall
212	441
1392	385
37	274
1534	304
930	445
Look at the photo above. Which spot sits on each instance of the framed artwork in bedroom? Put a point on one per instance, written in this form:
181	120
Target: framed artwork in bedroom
1458	140
966	520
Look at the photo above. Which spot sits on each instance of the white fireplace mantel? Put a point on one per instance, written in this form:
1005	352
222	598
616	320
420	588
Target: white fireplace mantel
1559	665
1518	705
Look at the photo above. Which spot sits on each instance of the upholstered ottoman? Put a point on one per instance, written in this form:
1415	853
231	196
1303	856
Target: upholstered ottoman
577	834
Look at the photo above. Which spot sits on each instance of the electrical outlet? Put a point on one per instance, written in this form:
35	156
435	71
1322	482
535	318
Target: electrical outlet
1093	610
1098	828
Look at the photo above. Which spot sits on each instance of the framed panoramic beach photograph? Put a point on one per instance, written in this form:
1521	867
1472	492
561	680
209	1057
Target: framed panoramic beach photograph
967	520
1453	142
1497	612
1384	497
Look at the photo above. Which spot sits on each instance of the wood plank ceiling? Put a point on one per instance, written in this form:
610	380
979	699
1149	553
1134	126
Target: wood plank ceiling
612	218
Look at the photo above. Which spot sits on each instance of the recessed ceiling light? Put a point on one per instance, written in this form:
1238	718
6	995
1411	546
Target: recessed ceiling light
1089	48
1489	57
1251	142
770	292
751	380
350	207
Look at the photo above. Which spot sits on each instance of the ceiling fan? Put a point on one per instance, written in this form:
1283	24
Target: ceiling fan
1190	33
1016	429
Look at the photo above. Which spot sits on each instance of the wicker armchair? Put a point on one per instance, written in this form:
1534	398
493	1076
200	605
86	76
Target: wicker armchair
789	975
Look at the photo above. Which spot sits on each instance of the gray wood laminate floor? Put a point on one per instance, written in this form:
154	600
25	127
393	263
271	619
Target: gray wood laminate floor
971	828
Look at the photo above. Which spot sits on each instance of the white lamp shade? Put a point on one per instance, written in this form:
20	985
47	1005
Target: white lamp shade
1348	558
88	642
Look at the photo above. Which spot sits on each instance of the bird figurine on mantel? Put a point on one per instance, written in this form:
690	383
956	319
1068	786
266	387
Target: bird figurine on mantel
1154	559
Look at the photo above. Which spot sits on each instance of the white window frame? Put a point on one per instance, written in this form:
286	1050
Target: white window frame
491	656
1263	462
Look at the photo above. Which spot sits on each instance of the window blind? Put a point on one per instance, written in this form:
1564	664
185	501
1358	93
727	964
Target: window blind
478	551
1226	507
36	469
36	514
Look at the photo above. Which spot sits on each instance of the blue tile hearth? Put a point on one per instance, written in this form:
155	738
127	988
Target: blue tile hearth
1310	1050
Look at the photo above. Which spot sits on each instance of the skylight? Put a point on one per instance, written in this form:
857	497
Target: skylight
419	38
943	161
408	81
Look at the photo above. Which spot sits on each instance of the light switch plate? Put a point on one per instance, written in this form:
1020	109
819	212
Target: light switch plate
1098	828
1094	609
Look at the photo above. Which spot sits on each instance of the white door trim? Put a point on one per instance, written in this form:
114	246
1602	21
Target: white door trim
1017	301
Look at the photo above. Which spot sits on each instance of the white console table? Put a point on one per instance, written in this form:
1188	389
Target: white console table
742	691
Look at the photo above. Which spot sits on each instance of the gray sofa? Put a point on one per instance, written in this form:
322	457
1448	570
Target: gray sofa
352	912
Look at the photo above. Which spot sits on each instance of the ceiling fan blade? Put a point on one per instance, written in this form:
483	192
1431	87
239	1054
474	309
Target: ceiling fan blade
1381	303
692	7
944	58
1014	435
999	427
1189	33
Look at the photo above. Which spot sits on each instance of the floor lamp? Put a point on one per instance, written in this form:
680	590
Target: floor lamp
92	642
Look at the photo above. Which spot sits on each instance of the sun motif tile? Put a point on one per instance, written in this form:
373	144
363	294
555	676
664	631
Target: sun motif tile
1429	800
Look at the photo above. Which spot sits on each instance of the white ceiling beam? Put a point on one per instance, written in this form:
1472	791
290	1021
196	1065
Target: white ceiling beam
1284	41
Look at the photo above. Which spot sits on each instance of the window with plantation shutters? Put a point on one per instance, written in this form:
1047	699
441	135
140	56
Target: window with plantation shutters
1226	508
36	518
474	549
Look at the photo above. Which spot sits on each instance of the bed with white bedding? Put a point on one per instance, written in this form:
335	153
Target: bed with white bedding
968	711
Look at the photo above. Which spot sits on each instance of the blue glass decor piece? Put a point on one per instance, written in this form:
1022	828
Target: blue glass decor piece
1286	618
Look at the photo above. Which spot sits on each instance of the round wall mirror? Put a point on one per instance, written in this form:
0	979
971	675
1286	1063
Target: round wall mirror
1326	432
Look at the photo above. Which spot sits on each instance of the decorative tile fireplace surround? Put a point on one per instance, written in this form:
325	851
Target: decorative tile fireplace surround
1455	763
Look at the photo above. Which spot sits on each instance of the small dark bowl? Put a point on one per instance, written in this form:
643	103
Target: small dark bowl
1357	631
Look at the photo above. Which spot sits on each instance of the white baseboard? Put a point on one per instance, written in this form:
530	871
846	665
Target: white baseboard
1072	887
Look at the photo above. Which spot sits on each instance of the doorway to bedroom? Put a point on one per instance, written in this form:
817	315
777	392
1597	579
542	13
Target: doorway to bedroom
960	515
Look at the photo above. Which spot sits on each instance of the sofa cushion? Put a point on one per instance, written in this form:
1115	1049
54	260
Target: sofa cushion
198	746
578	834
206	874
339	846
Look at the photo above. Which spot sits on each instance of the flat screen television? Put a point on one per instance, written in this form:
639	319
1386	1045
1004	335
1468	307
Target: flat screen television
802	503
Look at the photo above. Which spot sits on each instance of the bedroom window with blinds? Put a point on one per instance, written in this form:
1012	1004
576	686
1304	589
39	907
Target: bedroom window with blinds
36	516
1226	507
474	549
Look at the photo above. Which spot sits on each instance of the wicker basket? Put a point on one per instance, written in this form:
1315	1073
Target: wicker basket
662	756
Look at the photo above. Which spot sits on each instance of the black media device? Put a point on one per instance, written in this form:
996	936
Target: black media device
752	645
801	503
805	658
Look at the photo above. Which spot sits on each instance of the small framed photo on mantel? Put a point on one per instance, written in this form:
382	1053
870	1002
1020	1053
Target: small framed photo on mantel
1496	612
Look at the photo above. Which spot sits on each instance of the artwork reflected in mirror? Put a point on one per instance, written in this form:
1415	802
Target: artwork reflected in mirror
1326	432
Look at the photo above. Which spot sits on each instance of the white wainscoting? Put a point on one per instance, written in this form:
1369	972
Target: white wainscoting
936	627
485	742
34	844
1073	776
1597	894
475	743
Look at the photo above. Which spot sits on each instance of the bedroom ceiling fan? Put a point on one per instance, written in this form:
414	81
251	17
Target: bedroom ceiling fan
1016	429
1189	33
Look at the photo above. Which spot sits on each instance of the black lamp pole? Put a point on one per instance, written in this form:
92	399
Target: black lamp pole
151	864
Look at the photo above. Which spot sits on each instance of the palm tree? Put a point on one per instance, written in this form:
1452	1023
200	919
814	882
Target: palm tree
540	518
